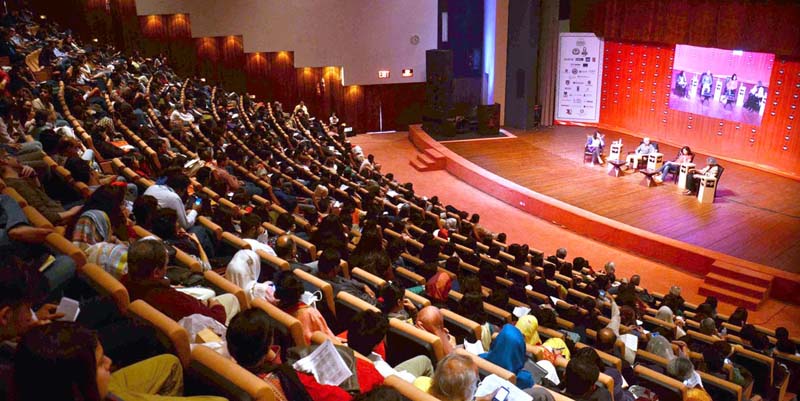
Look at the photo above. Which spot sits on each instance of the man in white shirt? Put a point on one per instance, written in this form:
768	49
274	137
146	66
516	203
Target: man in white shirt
173	196
644	149
367	329
180	117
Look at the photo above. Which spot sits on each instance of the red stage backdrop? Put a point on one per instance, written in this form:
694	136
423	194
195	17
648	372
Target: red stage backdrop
635	98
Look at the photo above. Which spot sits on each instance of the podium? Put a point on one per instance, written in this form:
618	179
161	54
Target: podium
654	161
685	172
708	189
615	151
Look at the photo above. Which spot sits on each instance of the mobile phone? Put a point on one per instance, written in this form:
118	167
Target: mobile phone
198	201
501	395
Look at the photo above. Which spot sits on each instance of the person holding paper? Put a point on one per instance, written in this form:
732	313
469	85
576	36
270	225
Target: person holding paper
366	330
251	344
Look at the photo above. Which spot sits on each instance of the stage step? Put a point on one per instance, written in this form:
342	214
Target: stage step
424	162
740	273
739	286
731	297
434	154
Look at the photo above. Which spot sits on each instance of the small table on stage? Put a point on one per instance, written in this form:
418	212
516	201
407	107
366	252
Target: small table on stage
615	151
616	167
685	174
648	177
708	189
655	161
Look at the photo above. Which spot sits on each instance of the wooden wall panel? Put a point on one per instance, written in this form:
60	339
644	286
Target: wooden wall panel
222	61
635	99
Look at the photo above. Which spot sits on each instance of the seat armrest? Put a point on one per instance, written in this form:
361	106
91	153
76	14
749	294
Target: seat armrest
174	333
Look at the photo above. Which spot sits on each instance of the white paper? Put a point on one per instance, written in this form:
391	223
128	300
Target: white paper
493	382
70	308
343	187
391	193
631	342
555	300
520	311
552	375
325	364
475	348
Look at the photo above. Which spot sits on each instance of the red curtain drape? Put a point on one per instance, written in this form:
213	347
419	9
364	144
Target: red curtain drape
635	99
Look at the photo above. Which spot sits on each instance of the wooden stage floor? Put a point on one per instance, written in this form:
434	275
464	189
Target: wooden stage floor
756	215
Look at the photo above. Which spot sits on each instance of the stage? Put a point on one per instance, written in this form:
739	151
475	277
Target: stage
754	223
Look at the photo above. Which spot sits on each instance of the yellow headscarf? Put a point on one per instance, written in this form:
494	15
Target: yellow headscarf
529	327
558	346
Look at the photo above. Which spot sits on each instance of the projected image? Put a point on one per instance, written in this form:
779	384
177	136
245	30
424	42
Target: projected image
726	84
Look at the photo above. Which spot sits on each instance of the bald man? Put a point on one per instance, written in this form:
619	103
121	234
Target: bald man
286	249
430	319
606	339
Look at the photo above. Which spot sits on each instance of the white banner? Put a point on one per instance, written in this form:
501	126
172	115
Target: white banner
580	69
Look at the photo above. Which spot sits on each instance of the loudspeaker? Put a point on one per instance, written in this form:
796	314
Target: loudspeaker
438	88
489	119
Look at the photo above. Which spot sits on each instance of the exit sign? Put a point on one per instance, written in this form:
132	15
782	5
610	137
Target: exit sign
383	74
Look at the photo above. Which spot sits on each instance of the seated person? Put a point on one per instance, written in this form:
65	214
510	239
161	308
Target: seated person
18	237
580	380
685	156
288	291
102	218
254	233
681	369
711	170
394	304
595	144
24	181
645	148
509	352
72	359
590	354
250	343
366	330
328	266
147	268
430	319
244	270
456	379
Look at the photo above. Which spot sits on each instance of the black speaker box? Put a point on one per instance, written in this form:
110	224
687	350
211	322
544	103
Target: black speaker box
489	119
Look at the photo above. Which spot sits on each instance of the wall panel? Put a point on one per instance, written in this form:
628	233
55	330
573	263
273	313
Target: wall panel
635	96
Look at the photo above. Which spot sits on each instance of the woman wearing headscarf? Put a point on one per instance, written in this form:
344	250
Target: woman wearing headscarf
665	315
529	326
101	216
508	352
244	270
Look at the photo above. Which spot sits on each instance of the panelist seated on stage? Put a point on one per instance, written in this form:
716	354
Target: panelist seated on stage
684	156
711	170
594	145
644	149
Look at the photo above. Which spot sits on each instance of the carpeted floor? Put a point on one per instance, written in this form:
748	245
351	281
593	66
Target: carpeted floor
393	151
